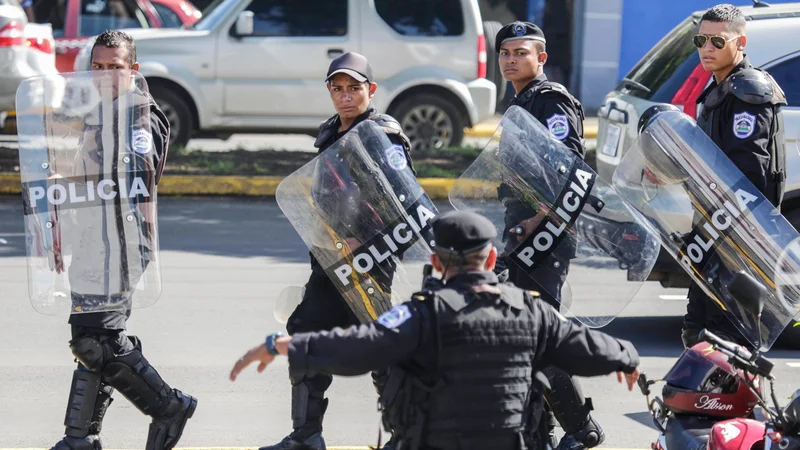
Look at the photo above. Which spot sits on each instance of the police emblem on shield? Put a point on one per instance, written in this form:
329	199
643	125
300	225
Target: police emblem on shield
743	125
559	126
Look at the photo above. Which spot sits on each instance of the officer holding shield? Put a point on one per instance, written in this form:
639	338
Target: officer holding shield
351	84
441	393
741	112
113	244
521	47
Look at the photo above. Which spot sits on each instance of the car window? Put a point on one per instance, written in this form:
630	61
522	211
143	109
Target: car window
168	17
100	15
787	75
52	12
422	17
296	18
666	66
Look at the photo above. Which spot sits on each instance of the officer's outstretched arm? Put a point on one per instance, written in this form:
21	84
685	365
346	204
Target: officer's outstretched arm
580	350
396	336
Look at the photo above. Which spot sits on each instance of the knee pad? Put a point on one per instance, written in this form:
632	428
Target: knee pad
91	352
566	400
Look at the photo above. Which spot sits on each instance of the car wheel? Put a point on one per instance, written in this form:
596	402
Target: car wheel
178	114
493	73
430	122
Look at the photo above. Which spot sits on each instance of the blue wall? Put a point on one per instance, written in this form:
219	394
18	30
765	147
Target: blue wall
644	22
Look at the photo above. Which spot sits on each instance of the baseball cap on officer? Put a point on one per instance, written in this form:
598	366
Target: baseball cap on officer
462	231
516	31
353	64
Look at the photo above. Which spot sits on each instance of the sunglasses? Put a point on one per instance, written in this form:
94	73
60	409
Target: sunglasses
717	41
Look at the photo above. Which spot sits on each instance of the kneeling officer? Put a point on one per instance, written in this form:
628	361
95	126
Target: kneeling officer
461	353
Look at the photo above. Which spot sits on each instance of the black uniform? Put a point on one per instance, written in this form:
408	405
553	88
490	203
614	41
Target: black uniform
742	115
107	358
563	115
462	354
322	306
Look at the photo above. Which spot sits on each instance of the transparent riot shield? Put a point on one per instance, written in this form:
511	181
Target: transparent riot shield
557	220
89	194
364	217
713	220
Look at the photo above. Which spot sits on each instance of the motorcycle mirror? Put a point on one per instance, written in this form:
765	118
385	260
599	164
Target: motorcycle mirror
749	293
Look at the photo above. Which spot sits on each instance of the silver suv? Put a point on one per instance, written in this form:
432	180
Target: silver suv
258	66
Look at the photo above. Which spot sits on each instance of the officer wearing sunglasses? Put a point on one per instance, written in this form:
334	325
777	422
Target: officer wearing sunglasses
741	112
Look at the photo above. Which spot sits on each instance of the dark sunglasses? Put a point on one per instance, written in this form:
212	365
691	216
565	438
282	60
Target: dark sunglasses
717	41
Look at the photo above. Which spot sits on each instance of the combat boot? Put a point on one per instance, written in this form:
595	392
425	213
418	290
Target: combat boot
166	430
591	435
308	409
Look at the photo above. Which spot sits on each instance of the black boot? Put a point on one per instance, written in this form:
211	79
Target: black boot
89	396
572	411
308	409
133	376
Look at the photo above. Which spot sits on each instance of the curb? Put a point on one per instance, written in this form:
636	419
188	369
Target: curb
485	130
191	185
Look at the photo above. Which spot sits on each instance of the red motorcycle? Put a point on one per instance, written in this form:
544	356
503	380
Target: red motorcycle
711	392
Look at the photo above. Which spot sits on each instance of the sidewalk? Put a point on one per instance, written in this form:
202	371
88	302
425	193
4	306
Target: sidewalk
489	126
265	186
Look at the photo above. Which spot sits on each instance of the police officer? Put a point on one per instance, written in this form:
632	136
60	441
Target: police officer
741	112
462	353
521	47
351	84
108	359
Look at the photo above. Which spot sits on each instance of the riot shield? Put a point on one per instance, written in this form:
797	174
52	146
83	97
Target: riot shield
89	194
364	217
712	220
557	218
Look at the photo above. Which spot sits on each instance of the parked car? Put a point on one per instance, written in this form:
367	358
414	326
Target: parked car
671	73
176	13
74	22
258	66
26	50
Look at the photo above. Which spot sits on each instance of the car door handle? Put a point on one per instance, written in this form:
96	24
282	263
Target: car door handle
335	53
616	114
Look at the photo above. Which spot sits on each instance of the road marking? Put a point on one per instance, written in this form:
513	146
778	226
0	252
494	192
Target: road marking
795	365
673	297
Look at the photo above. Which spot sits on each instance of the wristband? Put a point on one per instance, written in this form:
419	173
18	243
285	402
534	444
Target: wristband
271	343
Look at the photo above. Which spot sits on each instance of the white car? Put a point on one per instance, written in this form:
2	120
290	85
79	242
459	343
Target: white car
251	66
26	50
671	73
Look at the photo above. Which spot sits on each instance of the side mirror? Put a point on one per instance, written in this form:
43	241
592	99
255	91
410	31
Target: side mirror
244	23
749	293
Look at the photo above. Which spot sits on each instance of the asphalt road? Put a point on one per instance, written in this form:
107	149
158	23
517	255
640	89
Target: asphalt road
224	262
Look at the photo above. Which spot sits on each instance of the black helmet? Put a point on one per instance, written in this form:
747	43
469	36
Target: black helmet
652	112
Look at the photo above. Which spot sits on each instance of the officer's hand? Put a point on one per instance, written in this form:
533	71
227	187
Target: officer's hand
631	378
257	353
526	227
650	176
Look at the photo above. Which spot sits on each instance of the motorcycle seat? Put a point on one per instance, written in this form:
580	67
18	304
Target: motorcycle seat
688	432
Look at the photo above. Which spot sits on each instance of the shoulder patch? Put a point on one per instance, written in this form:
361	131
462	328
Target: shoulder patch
396	156
141	141
395	317
559	126
743	125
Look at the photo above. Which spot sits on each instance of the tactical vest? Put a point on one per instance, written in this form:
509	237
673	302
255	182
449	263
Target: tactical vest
757	87
478	396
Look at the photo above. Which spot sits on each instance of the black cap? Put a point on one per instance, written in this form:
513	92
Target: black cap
461	231
353	64
518	30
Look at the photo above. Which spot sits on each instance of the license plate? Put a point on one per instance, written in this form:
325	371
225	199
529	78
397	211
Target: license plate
612	140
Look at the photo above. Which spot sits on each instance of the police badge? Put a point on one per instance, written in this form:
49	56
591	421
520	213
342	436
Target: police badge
743	125
559	126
